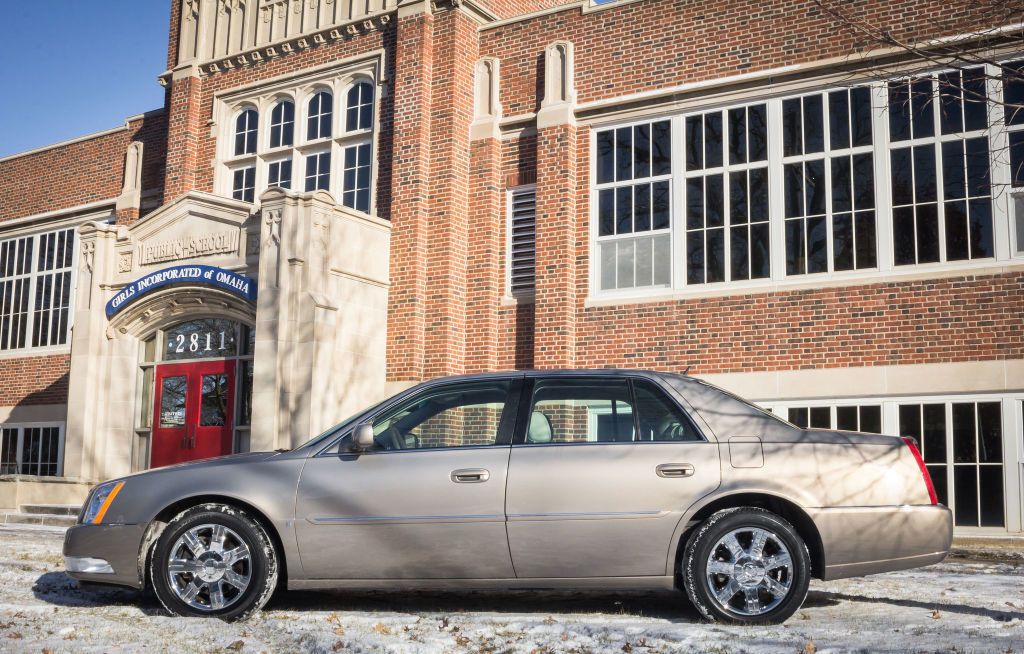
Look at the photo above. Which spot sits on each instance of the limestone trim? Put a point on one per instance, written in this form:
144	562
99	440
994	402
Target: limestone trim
870	278
559	102
875	381
171	305
206	65
487	109
26	413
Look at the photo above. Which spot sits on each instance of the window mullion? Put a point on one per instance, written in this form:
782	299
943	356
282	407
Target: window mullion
33	277
677	212
776	195
883	181
999	149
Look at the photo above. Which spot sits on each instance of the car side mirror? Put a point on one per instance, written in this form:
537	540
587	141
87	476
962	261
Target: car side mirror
362	437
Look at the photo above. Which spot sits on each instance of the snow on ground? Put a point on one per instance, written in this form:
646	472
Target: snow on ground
954	606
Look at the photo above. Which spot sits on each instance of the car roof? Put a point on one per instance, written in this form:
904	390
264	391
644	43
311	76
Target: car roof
561	372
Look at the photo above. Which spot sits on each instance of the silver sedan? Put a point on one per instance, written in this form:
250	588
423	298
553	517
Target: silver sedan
557	479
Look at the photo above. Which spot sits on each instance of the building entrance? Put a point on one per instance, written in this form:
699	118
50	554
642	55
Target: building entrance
201	389
194	409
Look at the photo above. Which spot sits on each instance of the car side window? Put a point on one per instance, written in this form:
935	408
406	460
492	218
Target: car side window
580	411
659	418
456	415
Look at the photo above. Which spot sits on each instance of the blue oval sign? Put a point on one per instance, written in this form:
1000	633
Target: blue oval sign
242	286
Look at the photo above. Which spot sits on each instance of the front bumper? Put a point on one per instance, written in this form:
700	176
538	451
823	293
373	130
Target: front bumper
867	540
107	554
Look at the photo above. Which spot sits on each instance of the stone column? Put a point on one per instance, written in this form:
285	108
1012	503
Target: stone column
555	298
128	203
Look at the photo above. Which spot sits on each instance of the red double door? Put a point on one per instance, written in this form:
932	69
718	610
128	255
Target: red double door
194	411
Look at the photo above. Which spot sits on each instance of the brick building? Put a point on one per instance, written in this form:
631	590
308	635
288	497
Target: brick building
341	198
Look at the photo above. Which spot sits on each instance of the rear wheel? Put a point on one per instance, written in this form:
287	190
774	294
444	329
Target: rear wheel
746	566
213	561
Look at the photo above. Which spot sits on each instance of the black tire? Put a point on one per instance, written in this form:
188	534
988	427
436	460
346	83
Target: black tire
228	602
707	540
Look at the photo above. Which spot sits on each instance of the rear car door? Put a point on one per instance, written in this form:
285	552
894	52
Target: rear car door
426	501
600	475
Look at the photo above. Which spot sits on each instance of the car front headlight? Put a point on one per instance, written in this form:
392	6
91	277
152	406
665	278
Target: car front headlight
100	500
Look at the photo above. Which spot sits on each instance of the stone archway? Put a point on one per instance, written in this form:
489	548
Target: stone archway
108	407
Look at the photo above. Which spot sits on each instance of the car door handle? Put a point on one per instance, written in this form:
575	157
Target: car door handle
669	470
470	475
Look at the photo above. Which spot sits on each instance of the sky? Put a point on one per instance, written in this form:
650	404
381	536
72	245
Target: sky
73	67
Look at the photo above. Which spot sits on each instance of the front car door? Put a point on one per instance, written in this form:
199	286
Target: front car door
600	477
426	501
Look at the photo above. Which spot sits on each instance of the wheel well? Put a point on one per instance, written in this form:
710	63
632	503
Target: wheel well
168	512
777	505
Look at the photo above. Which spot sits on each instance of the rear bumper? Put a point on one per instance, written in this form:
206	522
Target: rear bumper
117	546
867	540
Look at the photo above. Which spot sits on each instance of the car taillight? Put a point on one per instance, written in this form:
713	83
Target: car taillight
912	444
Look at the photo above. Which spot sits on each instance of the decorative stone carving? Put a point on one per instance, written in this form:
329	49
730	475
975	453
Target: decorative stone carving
88	254
189	246
486	102
556	108
124	262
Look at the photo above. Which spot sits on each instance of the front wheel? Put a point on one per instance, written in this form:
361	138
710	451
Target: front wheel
213	561
746	566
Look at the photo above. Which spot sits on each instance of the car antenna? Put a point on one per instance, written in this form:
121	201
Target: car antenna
686	370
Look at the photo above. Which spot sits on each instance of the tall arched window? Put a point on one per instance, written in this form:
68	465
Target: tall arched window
359	107
282	124
318	121
245	132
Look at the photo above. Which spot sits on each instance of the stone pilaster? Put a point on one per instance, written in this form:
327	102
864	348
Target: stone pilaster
320	317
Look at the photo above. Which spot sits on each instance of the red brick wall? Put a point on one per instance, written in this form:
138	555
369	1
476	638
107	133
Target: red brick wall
34	380
659	43
962	319
81	172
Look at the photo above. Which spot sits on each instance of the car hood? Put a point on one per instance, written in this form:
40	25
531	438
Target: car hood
213	462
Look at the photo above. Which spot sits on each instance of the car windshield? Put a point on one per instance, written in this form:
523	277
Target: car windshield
341	426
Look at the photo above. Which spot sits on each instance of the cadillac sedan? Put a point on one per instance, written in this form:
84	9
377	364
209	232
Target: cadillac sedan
555	480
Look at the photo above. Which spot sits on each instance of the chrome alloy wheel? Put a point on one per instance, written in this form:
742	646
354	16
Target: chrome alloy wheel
209	567
749	571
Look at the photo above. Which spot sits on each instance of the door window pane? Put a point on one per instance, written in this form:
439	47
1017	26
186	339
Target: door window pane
172	401
659	417
581	411
213	402
456	415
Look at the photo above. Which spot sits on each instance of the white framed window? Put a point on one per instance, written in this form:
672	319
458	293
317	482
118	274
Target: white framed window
309	143
279	173
36	284
1013	118
727	236
246	131
828	182
848	417
941	180
319	115
634	206
243	185
355	184
359	107
32	449
522	241
873	180
282	124
318	171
